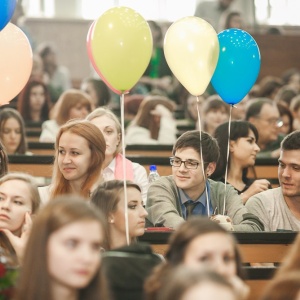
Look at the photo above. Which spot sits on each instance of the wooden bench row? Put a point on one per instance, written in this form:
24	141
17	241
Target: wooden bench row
41	165
255	247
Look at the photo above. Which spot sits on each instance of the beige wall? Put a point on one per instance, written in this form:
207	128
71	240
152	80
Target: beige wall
69	37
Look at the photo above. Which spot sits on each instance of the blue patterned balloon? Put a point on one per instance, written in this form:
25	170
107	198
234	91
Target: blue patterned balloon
238	65
7	8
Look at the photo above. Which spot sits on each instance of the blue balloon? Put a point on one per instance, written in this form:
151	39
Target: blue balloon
7	8
238	65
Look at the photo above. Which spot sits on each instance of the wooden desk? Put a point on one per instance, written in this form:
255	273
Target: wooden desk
39	148
149	150
265	168
41	165
255	247
35	165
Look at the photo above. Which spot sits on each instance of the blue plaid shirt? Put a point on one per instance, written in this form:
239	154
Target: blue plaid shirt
201	207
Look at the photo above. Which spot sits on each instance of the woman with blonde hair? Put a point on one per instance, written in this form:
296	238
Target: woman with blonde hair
154	122
17	205
72	104
62	260
79	155
111	129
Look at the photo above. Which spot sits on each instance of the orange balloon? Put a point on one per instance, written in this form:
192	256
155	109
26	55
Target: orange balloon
15	62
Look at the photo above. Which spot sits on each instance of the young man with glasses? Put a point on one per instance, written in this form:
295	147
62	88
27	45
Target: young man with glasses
171	199
279	208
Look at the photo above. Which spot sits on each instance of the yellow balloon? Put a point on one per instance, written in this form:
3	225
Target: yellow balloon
121	47
191	49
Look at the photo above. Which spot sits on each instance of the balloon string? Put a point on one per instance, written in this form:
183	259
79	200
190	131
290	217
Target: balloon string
227	159
124	170
202	163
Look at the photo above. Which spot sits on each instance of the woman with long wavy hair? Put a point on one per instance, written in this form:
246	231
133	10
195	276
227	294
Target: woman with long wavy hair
79	155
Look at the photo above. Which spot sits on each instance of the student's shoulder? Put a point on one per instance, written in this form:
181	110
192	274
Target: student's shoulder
164	181
266	198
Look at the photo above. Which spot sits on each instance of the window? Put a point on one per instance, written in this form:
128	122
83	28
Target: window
268	12
277	12
164	10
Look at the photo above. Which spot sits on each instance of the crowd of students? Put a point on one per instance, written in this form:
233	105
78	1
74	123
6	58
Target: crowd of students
57	234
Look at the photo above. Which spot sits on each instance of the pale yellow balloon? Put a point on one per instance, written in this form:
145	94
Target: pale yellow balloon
191	49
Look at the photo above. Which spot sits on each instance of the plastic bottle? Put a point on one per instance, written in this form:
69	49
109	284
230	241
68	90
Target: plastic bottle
153	175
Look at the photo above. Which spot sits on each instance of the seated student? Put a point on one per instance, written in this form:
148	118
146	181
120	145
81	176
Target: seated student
12	131
264	115
243	149
285	287
215	112
19	200
62	256
58	76
98	91
158	77
199	243
72	104
286	118
278	209
188	284
79	155
291	77
285	95
171	197
3	160
295	109
111	128
109	198
269	86
291	261
34	102
154	122
234	19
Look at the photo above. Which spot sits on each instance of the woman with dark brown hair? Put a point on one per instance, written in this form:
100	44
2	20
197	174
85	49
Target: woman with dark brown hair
154	122
63	256
109	198
243	149
12	131
34	102
197	243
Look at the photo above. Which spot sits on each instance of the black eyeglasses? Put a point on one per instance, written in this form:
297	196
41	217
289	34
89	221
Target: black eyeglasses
188	164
